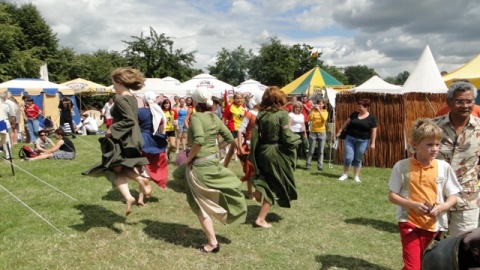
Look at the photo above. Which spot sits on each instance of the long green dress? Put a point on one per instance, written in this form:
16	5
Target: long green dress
273	154
125	146
203	131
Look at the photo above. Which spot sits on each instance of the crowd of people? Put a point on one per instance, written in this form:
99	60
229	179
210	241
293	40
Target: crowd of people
435	190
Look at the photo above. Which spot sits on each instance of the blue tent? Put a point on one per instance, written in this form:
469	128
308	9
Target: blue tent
45	94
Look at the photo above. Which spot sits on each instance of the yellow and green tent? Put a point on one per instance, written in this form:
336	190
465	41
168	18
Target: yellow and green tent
312	81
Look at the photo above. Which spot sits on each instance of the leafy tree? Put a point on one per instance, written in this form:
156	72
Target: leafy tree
358	74
302	55
274	65
37	34
232	66
402	77
155	57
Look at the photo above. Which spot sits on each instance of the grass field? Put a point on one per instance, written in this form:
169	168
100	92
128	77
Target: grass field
333	225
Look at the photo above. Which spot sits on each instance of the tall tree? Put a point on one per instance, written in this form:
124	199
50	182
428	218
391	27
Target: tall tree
274	65
37	34
232	66
302	55
402	77
358	74
155	57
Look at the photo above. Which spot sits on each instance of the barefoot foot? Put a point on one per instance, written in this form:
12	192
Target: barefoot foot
129	202
263	224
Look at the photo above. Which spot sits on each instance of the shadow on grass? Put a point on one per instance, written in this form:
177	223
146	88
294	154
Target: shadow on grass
175	186
178	234
115	195
97	216
334	261
252	213
376	224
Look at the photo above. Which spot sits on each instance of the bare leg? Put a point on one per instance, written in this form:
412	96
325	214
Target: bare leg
144	183
207	227
345	170
122	185
264	209
250	190
356	171
184	140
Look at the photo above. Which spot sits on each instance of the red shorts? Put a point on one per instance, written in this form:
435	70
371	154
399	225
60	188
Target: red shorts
108	122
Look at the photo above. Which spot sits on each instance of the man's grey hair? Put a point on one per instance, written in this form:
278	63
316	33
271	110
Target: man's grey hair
3	95
461	86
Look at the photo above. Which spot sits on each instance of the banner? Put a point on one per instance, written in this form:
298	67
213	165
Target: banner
44	72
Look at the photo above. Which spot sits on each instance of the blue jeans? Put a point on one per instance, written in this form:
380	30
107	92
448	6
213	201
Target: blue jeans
33	126
354	150
321	137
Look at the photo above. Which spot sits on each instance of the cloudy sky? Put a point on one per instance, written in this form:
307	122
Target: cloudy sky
386	35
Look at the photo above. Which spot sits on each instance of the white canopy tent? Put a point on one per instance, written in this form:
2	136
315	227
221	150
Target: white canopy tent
216	86
425	77
160	87
376	85
172	81
251	87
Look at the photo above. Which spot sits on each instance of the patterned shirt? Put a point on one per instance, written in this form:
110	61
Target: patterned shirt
462	153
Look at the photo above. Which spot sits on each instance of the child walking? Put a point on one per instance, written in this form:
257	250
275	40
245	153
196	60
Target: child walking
424	189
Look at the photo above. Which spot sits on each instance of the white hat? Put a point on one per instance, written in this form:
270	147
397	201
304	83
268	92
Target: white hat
203	95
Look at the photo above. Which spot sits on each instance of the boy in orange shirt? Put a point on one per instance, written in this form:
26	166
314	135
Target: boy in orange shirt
423	188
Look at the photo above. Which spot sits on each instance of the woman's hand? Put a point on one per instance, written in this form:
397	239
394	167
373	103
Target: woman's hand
372	145
108	133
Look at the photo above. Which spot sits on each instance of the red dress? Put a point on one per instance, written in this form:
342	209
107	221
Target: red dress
248	167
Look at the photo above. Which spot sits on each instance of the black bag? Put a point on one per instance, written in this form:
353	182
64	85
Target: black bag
27	151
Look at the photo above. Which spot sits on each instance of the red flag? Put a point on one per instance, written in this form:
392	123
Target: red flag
226	102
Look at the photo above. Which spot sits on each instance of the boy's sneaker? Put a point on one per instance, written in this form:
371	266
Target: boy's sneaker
307	167
319	167
343	177
357	179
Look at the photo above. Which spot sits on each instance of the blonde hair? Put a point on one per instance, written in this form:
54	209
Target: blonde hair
425	128
132	79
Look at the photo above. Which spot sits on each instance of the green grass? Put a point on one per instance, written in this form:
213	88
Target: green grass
333	225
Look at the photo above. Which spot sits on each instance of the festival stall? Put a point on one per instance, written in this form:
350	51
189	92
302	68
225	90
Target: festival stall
217	86
313	81
45	94
422	95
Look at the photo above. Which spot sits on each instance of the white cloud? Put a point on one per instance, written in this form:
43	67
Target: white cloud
388	36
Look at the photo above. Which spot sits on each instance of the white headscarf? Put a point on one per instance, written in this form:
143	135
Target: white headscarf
203	95
257	98
157	112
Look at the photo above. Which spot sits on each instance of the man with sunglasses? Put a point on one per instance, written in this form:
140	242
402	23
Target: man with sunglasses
43	142
460	147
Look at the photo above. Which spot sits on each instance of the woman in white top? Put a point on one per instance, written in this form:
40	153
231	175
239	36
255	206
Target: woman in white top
297	126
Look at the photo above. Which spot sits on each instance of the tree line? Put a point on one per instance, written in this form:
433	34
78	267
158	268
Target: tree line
27	42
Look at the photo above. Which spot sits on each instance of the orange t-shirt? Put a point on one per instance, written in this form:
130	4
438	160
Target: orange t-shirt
445	109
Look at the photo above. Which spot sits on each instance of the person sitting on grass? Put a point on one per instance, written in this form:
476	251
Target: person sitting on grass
88	125
42	142
424	189
63	149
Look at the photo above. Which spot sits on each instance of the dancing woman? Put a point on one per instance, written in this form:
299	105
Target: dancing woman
122	146
212	190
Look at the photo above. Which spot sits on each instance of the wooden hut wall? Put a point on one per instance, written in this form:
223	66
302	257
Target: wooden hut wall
389	110
422	105
395	115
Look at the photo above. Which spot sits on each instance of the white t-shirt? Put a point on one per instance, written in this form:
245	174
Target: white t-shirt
298	120
106	110
89	123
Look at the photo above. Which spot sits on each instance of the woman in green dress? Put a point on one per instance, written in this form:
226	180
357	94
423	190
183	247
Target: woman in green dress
123	143
273	154
212	189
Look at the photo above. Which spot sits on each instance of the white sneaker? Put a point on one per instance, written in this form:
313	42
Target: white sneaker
343	177
356	179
